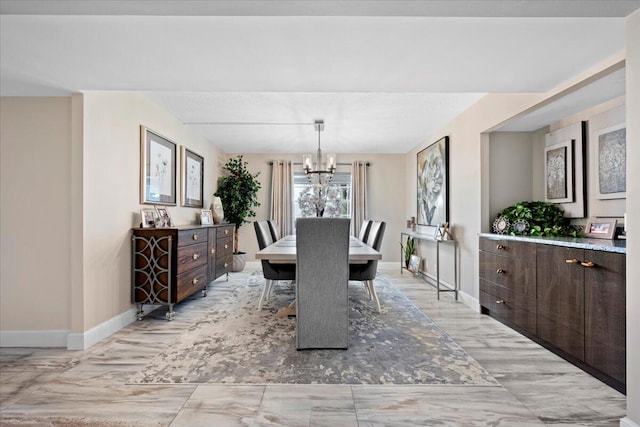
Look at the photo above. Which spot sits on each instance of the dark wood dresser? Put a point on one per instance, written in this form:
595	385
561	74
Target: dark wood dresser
172	263
568	296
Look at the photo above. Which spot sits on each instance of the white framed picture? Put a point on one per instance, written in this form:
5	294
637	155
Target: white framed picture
206	217
610	154
559	172
164	219
148	217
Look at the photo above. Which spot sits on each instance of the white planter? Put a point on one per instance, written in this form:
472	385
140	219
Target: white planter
239	260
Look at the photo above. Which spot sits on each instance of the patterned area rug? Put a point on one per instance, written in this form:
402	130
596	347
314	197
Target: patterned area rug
237	344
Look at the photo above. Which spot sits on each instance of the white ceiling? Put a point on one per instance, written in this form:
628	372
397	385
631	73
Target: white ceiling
384	75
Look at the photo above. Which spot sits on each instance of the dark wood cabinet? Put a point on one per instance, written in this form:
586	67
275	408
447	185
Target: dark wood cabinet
508	281
570	300
171	264
605	313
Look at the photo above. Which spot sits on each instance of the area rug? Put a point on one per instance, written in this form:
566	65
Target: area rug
234	343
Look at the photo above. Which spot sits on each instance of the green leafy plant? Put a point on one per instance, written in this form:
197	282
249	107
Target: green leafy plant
238	191
408	249
544	219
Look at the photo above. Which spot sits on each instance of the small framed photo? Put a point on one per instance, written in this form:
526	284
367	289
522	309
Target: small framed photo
206	217
599	228
164	219
148	217
414	263
192	179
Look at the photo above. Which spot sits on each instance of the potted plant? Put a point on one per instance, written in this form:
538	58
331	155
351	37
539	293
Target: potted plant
408	249
238	191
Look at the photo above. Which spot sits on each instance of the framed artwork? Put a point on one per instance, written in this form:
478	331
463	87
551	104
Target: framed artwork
559	172
414	263
433	183
157	168
611	146
164	219
192	178
600	228
147	217
206	217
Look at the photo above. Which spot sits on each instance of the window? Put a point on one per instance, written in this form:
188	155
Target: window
341	182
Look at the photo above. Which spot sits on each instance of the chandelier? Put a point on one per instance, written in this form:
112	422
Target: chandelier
319	168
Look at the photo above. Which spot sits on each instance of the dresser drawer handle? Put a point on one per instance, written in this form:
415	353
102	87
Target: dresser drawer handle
213	251
226	246
588	264
226	231
195	281
500	271
195	256
500	301
501	248
571	261
194	237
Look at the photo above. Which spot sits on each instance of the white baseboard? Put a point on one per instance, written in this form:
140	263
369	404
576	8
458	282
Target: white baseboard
627	422
65	338
469	300
253	265
389	264
82	341
46	338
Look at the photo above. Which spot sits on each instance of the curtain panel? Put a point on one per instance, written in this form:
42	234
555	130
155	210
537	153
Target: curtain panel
281	191
359	201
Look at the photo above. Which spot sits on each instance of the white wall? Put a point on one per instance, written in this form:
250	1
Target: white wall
510	169
111	198
35	141
633	217
386	196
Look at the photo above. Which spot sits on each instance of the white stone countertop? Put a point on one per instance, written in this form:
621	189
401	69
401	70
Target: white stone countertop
618	246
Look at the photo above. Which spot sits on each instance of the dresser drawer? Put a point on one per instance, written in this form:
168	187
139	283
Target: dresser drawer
223	264
191	281
193	236
191	256
506	247
497	269
225	231
224	246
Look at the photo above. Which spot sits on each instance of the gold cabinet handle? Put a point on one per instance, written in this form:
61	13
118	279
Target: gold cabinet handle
195	281
195	256
213	250
588	264
500	271
226	246
500	301
194	237
571	261
501	248
226	231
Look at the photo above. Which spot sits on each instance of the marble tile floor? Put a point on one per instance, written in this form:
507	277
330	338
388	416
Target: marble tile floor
89	388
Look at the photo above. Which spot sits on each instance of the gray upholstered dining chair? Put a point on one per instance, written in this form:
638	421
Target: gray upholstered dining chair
322	282
367	272
272	272
275	230
364	230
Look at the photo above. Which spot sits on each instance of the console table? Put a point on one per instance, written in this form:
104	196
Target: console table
431	239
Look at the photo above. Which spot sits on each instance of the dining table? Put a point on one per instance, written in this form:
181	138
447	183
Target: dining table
283	251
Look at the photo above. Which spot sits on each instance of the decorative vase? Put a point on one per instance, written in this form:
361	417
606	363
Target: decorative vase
216	210
238	263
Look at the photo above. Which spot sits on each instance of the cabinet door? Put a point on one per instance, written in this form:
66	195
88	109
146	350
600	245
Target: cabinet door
212	254
560	302
605	316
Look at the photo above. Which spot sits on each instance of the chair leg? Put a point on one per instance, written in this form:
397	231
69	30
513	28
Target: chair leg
265	291
366	286
270	291
375	295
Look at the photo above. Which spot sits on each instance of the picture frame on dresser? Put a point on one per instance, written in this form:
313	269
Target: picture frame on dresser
192	178
600	228
157	168
206	217
164	219
148	217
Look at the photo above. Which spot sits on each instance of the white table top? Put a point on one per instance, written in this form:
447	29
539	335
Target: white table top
284	251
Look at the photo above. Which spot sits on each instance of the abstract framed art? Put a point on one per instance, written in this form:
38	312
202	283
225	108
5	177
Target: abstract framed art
433	183
157	168
192	178
559	172
611	158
